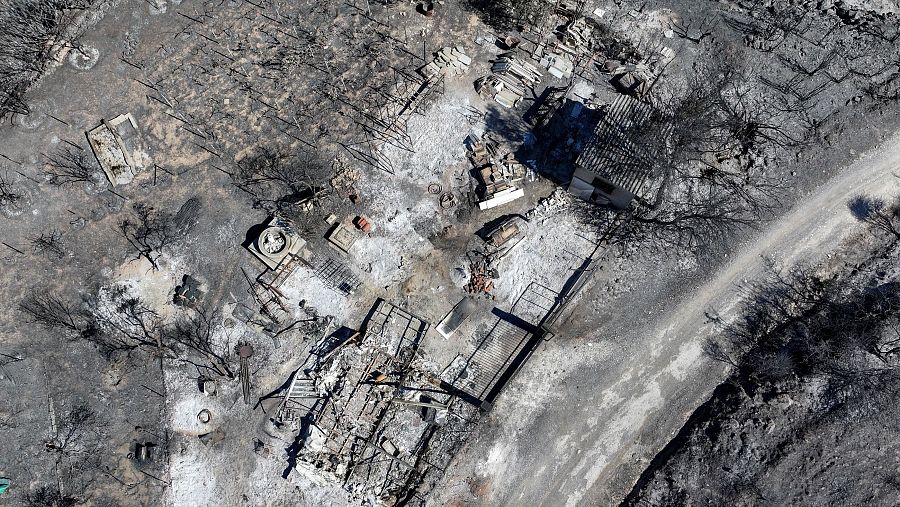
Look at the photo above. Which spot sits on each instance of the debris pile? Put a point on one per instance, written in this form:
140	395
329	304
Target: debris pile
496	176
118	147
550	101
505	237
189	293
482	274
510	78
550	205
577	36
511	64
449	59
363	224
635	78
631	79
369	415
559	66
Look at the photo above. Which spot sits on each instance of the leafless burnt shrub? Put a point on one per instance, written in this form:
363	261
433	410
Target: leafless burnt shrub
878	214
125	322
69	165
48	496
10	197
74	430
75	440
48	243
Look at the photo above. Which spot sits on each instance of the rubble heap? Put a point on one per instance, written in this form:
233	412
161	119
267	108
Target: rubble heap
371	416
496	176
511	76
550	205
449	59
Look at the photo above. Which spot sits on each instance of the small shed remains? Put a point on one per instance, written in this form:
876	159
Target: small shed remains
613	169
118	147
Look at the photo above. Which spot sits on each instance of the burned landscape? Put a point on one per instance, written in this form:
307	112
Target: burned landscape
460	252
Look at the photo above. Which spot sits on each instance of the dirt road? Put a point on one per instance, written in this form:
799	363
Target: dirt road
586	415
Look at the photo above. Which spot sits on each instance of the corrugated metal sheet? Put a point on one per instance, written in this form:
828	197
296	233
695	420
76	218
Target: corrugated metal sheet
612	153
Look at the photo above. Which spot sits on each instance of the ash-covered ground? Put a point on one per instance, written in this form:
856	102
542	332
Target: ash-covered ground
334	253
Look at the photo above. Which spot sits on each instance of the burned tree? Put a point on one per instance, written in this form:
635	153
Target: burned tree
690	159
774	308
117	321
114	320
69	165
878	214
31	33
513	14
278	184
52	311
128	324
191	337
125	322
151	232
797	325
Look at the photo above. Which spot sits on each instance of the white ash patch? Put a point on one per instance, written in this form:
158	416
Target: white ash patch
388	260
155	288
502	453
226	232
437	138
387	253
187	406
157	7
84	57
193	482
549	206
400	201
879	6
303	284
299	490
548	255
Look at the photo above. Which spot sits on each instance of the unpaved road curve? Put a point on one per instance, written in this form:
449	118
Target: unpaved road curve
584	437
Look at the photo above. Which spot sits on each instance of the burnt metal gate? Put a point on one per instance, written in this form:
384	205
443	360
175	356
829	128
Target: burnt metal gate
507	344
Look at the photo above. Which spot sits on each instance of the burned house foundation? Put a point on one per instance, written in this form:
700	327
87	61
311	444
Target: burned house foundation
371	416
